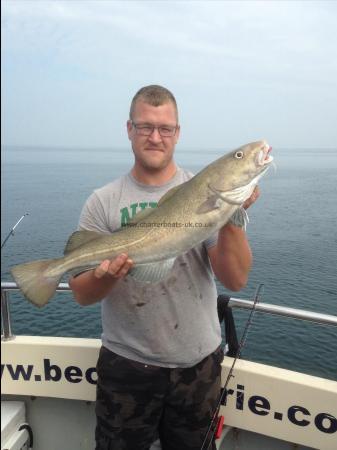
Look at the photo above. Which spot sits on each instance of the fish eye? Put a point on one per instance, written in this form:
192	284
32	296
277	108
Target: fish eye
238	155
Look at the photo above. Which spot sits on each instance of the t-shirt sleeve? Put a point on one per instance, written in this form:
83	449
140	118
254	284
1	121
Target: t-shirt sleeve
93	217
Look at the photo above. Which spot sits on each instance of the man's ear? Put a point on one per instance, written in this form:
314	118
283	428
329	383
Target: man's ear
177	135
129	128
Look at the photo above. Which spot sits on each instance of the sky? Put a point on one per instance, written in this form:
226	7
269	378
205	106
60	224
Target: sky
240	70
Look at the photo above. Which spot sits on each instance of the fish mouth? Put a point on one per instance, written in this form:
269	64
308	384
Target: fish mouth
264	157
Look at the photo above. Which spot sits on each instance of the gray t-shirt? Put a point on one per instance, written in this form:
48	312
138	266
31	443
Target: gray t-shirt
173	323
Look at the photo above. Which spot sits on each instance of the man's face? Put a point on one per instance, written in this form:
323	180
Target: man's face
153	152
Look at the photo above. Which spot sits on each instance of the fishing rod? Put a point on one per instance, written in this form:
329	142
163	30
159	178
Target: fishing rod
11	233
212	427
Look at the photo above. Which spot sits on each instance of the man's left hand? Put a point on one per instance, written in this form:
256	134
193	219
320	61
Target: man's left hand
252	199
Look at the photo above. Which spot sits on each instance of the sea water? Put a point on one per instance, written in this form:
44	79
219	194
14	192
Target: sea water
292	232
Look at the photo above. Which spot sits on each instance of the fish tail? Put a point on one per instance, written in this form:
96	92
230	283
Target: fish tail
33	279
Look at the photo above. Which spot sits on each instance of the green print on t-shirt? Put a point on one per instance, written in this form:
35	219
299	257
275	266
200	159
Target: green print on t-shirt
129	212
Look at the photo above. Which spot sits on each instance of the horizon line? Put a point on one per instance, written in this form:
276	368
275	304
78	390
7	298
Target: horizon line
79	147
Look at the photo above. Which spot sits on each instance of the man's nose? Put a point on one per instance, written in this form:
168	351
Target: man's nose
155	135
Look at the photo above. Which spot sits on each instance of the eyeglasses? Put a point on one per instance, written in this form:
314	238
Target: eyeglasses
147	129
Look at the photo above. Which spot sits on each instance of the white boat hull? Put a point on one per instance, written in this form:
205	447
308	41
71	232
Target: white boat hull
282	404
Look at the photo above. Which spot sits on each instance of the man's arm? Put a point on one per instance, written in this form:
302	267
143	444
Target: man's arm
231	258
92	286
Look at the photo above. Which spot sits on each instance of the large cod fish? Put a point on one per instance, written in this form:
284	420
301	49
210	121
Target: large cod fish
186	215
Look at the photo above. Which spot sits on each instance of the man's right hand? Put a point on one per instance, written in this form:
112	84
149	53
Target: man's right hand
116	268
92	286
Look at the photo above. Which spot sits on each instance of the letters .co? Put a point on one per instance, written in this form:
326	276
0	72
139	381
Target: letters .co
298	415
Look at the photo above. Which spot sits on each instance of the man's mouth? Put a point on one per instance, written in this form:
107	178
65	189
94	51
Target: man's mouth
154	149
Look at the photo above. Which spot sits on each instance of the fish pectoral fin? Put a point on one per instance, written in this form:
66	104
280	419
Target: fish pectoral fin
209	205
79	238
152	272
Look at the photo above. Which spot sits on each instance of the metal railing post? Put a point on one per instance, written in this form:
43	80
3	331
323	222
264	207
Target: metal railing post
6	317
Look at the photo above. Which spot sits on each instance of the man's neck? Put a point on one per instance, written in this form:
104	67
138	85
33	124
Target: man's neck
155	177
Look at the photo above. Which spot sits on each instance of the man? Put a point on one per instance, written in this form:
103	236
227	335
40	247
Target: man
160	362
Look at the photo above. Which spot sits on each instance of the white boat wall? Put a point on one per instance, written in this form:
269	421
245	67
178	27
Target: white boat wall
50	383
282	404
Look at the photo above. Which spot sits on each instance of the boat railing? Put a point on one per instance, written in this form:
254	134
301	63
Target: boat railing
268	308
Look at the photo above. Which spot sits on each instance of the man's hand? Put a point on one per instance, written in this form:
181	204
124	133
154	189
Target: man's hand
252	199
92	286
116	268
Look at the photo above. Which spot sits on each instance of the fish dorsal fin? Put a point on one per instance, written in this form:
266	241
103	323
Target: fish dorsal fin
145	212
152	272
169	194
140	216
79	238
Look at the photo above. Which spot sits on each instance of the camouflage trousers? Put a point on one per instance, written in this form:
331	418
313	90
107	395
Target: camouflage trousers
137	403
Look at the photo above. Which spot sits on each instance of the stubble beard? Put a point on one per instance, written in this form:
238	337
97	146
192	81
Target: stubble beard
151	164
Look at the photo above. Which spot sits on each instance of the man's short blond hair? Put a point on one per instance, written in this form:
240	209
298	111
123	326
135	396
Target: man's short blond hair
154	95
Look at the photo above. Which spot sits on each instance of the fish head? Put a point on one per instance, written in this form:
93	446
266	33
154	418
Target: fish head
243	166
233	177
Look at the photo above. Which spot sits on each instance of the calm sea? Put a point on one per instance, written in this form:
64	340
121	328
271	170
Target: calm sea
292	231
